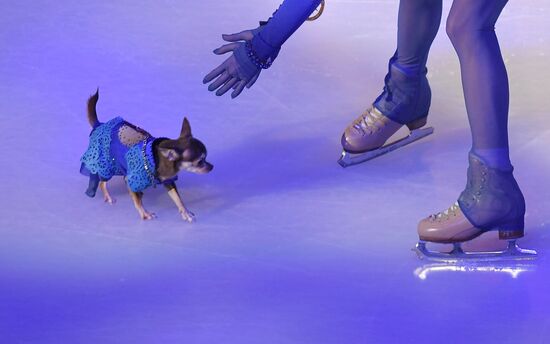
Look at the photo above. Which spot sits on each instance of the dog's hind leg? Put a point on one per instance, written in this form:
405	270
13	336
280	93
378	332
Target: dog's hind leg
106	195
137	198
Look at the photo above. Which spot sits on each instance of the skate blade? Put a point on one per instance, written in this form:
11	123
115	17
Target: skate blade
349	159
512	253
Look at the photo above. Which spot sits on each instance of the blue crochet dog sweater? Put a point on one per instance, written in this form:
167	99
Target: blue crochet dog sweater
109	154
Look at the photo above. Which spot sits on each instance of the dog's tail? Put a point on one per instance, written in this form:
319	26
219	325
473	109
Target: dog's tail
92	114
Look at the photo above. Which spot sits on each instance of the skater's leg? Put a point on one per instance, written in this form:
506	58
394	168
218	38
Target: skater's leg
492	199
406	97
471	28
417	26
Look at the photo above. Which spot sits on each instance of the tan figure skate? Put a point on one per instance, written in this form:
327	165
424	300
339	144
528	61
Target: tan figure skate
491	201
365	138
453	227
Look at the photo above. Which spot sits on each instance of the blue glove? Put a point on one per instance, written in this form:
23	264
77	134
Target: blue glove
265	42
238	70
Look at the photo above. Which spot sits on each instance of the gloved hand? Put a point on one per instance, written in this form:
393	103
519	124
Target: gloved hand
238	70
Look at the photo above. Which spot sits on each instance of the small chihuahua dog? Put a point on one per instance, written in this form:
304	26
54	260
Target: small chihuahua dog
118	147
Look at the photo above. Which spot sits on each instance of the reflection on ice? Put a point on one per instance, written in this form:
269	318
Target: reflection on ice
513	270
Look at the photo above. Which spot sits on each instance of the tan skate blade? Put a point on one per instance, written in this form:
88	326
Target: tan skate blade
349	159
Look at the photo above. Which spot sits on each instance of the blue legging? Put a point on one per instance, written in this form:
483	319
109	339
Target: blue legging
417	26
471	28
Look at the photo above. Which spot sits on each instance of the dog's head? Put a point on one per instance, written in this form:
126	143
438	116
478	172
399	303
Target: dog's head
184	153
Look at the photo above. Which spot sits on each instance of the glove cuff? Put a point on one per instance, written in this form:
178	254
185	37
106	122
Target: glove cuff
255	59
263	50
246	65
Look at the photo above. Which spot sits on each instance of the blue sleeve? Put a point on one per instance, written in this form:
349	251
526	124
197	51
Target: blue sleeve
286	20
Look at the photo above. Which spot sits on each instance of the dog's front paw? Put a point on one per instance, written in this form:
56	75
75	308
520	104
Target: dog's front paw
145	215
188	216
110	200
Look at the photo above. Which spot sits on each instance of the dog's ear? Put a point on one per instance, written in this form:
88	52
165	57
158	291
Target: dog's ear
168	150
185	129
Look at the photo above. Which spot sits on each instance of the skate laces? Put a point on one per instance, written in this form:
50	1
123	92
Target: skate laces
451	210
367	121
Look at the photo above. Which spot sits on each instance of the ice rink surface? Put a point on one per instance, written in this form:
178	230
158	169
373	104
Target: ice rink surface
288	247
